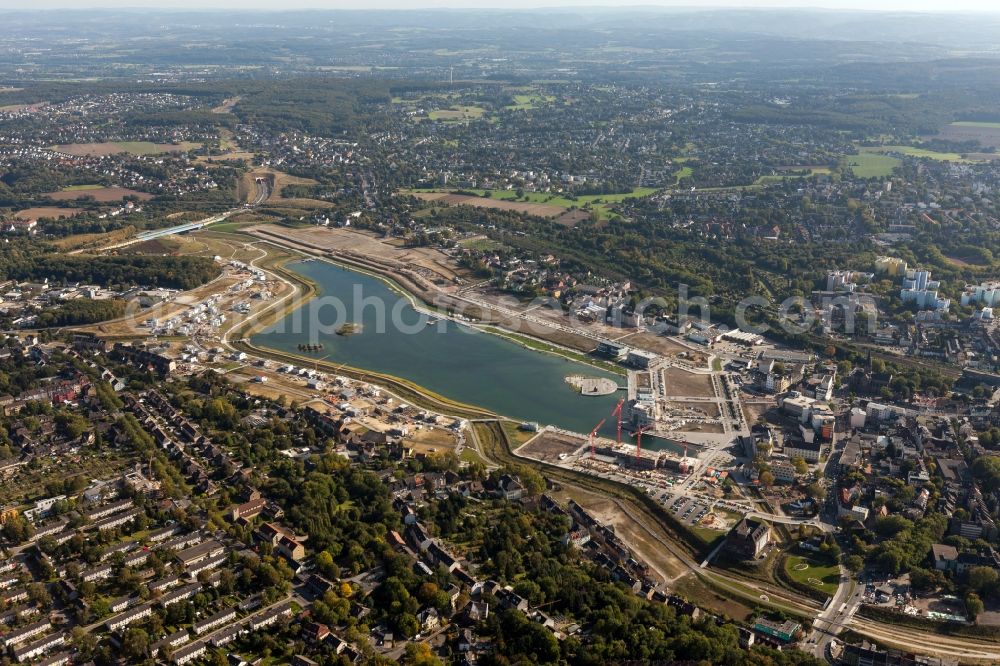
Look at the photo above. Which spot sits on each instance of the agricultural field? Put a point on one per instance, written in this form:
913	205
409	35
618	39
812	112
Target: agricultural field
542	210
457	113
987	134
871	165
117	147
98	193
52	212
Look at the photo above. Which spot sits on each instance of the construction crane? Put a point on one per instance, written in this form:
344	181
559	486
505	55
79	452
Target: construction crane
618	412
593	433
638	442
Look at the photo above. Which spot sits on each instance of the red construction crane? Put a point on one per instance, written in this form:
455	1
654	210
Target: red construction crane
593	433
618	412
638	442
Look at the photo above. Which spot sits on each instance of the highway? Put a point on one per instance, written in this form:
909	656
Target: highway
263	192
262	195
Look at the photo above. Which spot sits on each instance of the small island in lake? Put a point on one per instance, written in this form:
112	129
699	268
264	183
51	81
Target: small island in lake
349	328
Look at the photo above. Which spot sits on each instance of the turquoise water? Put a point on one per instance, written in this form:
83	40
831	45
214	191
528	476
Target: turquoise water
448	358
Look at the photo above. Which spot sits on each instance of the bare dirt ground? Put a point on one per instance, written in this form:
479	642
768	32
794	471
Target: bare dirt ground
78	241
679	382
542	210
939	605
704	428
431	440
18	108
571	218
112	148
664	565
710	409
100	194
754	411
662	345
227	105
362	242
51	212
548	446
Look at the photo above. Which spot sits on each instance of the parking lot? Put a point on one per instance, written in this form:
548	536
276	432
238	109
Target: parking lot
689	510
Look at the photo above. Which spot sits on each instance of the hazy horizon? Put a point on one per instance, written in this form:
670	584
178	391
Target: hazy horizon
956	6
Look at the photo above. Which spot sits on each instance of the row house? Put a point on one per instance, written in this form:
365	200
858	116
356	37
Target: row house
128	617
31	651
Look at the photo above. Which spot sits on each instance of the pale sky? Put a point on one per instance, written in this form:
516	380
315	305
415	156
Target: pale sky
892	5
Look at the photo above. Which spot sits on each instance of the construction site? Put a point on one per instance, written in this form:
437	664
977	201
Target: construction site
670	460
680	403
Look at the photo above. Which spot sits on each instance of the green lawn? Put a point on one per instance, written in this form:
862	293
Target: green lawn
829	574
556	199
229	227
515	434
529	101
871	165
470	455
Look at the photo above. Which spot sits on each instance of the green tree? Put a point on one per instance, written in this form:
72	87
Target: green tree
135	643
983	580
854	563
973	605
766	479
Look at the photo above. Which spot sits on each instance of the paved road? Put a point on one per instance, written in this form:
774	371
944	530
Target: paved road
835	617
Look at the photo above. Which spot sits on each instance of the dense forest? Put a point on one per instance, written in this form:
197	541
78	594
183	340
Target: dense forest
81	311
108	271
